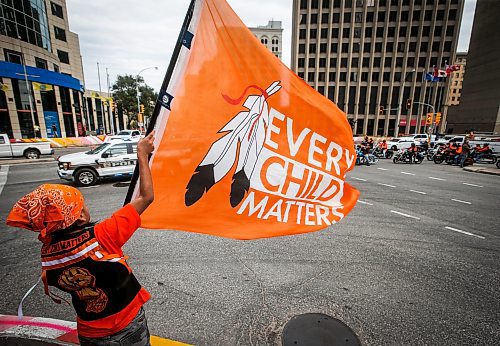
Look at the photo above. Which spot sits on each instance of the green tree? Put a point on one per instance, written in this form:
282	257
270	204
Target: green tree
125	94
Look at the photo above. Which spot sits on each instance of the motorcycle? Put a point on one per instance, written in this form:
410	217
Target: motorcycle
451	159
403	156
488	158
379	153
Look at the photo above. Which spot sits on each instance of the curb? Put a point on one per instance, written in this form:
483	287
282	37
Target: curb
47	331
490	171
26	161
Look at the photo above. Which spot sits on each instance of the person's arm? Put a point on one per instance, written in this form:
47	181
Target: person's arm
146	193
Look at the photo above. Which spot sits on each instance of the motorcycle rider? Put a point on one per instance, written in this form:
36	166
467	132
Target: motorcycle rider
382	146
412	152
465	153
457	155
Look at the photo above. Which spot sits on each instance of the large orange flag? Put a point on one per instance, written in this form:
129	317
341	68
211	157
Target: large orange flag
245	148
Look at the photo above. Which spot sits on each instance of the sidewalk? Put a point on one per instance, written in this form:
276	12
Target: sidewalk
491	169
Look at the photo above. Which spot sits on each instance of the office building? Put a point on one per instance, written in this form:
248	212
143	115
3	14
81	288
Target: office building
479	107
370	57
271	36
41	71
457	78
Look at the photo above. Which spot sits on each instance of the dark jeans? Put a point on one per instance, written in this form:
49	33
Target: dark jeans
463	157
135	334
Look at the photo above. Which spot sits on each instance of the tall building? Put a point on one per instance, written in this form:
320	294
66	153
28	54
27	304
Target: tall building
457	78
370	57
40	64
479	107
101	116
271	36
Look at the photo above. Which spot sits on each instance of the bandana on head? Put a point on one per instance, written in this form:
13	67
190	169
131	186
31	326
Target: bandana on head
50	207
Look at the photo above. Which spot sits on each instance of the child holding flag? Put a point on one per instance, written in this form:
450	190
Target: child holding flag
86	260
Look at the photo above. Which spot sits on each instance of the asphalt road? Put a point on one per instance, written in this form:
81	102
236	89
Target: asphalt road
415	263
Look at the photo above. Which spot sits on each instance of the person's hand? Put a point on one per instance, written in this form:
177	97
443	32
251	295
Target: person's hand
146	145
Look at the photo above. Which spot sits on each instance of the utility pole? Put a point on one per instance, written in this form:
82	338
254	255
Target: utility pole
110	108
28	88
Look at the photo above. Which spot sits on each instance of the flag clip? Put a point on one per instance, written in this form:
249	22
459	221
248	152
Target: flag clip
165	99
187	39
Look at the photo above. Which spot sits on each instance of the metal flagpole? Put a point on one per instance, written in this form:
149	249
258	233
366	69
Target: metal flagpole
164	86
438	106
111	125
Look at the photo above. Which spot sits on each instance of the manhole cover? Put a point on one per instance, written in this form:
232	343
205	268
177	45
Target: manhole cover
318	330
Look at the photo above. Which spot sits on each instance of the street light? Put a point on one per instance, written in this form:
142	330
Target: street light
401	87
137	88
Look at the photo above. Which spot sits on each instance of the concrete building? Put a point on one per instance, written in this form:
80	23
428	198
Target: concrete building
479	107
40	64
457	78
271	36
370	57
100	114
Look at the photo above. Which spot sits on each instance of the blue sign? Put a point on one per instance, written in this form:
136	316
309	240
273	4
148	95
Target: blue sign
52	124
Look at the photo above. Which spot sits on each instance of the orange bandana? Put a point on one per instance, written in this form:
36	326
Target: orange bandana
50	207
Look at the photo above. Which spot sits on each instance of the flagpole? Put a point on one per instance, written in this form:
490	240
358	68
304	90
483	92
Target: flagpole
164	86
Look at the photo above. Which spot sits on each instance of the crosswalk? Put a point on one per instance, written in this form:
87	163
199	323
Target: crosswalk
4	172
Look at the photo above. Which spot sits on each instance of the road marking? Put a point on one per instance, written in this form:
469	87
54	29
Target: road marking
4	172
383	169
460	201
364	202
359	179
91	187
405	215
420	192
472	185
386	185
434	178
468	233
407	173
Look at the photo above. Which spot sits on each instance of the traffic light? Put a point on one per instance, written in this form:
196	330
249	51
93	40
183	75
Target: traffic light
142	109
112	105
438	118
428	120
408	103
381	109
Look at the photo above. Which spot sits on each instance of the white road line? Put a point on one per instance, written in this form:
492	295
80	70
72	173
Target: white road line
4	171
386	185
91	187
407	173
364	202
359	179
420	192
405	215
463	232
460	201
472	185
434	178
383	169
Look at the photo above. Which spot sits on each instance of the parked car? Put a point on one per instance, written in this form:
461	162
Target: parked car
13	148
125	134
114	159
399	143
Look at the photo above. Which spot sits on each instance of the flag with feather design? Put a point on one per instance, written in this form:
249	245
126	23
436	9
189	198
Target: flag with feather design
245	148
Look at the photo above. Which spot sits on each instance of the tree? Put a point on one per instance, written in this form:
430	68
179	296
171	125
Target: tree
125	94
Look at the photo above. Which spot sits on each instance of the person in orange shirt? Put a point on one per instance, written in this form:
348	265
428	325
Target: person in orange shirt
86	259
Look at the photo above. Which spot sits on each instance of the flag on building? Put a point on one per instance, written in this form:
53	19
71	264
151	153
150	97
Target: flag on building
451	68
245	148
42	87
439	73
431	78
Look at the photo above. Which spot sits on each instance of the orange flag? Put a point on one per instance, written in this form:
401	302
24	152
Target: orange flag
244	147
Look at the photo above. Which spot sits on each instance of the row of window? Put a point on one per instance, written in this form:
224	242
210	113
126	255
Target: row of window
379	32
316	4
411	62
359	76
381	17
401	47
17	58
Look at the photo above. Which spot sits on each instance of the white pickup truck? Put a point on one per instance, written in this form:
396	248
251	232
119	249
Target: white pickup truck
28	150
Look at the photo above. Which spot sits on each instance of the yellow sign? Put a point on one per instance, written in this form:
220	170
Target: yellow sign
42	87
4	87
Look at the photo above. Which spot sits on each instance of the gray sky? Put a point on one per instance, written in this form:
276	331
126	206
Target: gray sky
126	36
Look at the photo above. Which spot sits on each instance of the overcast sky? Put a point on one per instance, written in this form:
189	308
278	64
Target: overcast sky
126	36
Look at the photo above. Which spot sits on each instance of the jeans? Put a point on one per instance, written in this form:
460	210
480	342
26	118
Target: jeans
135	334
463	157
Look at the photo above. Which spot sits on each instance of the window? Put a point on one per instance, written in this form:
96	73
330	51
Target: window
378	47
347	17
56	68
63	56
40	63
345	47
354	76
399	62
343	62
449	30
332	76
412	47
380	31
322	62
343	76
333	62
368	32
321	76
388	61
322	47
428	15
422	62
313	33
324	18
335	32
424	46
354	62
393	16
358	17
377	62
401	47
369	17
312	62
334	47
302	33
310	77
386	76
426	31
435	46
367	46
117	150
314	18
355	47
389	47
416	16
336	18
324	33
366	62
402	31
302	48
381	16
301	62
57	10
357	32
440	15
312	48
345	32
12	56
404	16
375	76
60	33
447	46
414	31
391	31
364	76
326	3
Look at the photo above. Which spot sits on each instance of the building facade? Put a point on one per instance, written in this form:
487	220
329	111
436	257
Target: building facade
41	71
271	36
457	78
479	107
102	114
370	57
